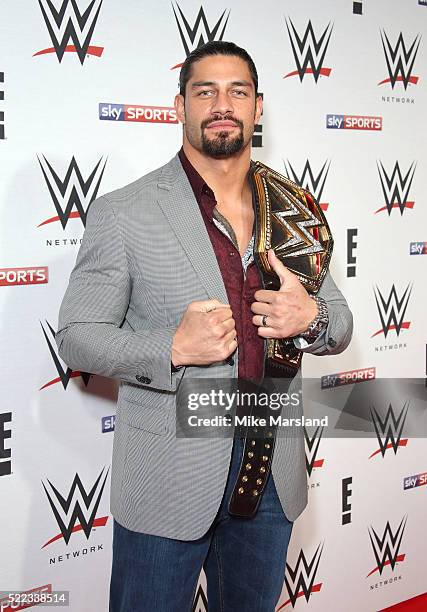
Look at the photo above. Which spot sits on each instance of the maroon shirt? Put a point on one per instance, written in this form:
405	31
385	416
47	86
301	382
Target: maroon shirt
240	289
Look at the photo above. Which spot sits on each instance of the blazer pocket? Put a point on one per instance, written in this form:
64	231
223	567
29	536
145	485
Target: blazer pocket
148	418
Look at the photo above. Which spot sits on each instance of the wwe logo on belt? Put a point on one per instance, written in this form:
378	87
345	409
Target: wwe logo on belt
300	580
309	51
194	37
396	188
389	431
71	192
400	60
68	24
308	180
64	375
392	310
294	222
313	443
386	547
76	511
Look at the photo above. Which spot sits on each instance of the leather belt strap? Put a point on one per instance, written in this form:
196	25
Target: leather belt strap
253	472
255	466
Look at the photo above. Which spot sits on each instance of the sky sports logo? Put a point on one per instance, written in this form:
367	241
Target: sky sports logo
418	248
353	122
23	276
347	378
140	114
410	482
108	423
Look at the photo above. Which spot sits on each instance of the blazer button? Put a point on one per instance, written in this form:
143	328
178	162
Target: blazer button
230	361
332	342
143	379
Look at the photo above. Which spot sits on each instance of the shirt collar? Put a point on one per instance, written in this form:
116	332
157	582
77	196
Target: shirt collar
198	184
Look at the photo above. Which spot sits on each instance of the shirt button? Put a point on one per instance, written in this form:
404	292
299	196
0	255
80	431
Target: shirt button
231	254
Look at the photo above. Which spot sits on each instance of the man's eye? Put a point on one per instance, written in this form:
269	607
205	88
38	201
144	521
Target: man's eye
240	92
205	93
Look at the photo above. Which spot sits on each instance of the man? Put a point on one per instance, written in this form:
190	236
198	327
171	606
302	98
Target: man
165	289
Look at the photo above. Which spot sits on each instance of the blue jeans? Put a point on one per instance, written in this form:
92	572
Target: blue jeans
244	560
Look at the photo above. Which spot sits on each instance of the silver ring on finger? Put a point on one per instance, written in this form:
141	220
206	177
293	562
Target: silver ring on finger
264	320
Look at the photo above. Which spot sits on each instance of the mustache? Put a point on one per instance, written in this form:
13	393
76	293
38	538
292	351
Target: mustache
207	122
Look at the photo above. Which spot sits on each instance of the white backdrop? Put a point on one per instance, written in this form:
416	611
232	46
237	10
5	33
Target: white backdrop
55	152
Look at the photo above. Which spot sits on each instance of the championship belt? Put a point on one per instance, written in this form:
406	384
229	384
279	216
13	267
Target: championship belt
289	221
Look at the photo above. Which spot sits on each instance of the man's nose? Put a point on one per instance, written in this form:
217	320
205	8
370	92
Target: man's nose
222	103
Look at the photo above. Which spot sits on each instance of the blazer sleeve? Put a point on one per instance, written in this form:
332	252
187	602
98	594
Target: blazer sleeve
94	306
337	335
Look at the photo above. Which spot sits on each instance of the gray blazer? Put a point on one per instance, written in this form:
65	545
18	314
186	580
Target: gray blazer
145	255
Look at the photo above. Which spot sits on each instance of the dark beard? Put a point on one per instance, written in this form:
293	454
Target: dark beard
223	145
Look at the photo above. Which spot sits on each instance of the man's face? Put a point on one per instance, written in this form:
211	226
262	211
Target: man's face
220	109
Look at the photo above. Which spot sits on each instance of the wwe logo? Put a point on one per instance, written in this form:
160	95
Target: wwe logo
64	374
392	310
68	24
309	52
400	60
76	511
194	37
389	431
300	580
71	192
396	187
313	447
295	220
386	547
308	180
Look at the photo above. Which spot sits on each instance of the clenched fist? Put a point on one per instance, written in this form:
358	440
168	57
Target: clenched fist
205	335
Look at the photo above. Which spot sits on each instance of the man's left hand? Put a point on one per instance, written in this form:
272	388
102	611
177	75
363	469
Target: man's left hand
289	311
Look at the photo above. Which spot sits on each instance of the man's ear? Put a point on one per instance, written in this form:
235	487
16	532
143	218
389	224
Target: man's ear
258	108
180	107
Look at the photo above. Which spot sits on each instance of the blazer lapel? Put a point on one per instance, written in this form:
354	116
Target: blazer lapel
180	207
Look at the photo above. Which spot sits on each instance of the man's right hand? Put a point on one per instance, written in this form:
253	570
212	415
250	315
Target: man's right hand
205	335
